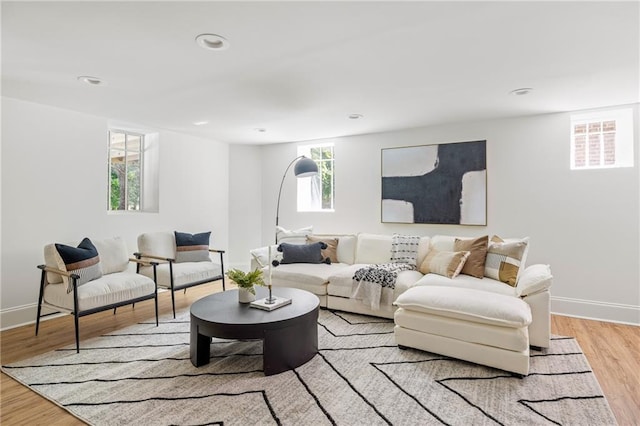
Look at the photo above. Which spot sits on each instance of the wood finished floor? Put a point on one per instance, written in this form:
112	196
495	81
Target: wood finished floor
613	351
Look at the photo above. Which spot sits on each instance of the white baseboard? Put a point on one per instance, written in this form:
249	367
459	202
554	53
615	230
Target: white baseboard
600	311
24	315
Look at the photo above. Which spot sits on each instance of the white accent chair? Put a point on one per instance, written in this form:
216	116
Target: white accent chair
117	287
172	275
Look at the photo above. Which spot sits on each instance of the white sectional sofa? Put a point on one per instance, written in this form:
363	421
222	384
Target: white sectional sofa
334	283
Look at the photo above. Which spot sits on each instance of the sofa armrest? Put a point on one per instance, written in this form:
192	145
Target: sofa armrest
534	279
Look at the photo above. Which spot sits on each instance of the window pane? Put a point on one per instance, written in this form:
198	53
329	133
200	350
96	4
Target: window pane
610	148
594	148
580	152
125	174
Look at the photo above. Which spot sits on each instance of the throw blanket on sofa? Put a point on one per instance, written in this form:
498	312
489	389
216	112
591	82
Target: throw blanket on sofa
373	285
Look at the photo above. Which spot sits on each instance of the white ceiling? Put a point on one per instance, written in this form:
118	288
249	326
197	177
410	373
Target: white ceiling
298	69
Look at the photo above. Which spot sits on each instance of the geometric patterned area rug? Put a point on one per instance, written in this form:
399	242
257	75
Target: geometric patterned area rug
143	375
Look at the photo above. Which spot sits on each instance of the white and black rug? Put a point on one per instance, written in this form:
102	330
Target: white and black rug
143	375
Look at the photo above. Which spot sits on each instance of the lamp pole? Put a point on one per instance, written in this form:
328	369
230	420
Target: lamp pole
280	193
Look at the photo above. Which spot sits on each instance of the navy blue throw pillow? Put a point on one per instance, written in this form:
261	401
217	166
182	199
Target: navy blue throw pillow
82	261
302	253
192	247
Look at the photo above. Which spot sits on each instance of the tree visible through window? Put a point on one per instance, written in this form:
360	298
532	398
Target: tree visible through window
317	192
602	139
125	170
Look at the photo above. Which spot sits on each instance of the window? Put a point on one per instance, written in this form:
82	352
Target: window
125	170
317	192
602	140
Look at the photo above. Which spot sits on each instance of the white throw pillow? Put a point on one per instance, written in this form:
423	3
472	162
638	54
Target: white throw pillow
295	236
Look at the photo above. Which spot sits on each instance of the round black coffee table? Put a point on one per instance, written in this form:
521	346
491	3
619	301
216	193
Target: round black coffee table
289	333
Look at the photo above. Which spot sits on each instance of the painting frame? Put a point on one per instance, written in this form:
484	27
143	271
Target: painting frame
442	184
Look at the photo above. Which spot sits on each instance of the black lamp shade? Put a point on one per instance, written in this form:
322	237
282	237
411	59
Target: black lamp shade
305	167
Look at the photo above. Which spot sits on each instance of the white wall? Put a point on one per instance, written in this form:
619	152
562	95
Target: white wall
54	165
585	224
245	189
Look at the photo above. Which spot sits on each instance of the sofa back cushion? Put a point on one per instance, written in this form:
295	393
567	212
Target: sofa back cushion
346	251
293	236
373	248
161	244
114	256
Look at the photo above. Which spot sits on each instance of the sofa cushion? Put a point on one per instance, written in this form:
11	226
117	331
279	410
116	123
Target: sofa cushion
83	261
373	248
467	304
467	281
341	282
114	256
331	251
504	259
445	263
295	236
301	253
313	274
474	264
346	251
192	247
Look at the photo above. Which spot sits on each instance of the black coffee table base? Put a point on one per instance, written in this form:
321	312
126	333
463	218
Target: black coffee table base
288	342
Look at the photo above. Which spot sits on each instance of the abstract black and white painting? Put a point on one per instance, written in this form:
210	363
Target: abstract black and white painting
439	184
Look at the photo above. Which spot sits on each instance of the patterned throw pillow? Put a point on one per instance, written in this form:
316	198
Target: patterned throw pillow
404	249
82	261
192	247
332	247
474	265
504	259
445	263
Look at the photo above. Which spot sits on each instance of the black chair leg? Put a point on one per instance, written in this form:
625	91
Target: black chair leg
173	302
40	301
114	311
75	316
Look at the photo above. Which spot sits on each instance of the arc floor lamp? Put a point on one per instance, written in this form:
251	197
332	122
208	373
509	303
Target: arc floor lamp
304	167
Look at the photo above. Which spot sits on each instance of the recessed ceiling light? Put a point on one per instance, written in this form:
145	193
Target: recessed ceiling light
355	116
212	42
260	129
200	123
521	91
93	81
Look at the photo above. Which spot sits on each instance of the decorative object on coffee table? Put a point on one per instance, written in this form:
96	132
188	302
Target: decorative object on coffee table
246	282
270	302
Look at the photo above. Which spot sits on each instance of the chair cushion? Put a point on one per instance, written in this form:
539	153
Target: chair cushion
192	247
467	304
114	256
161	244
184	273
82	260
109	289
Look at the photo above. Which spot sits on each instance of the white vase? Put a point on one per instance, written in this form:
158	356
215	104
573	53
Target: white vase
245	296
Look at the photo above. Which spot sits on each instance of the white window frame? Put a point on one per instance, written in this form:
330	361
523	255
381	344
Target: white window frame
141	149
623	138
305	202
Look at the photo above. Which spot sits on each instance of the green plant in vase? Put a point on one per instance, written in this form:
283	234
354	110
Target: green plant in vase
246	281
